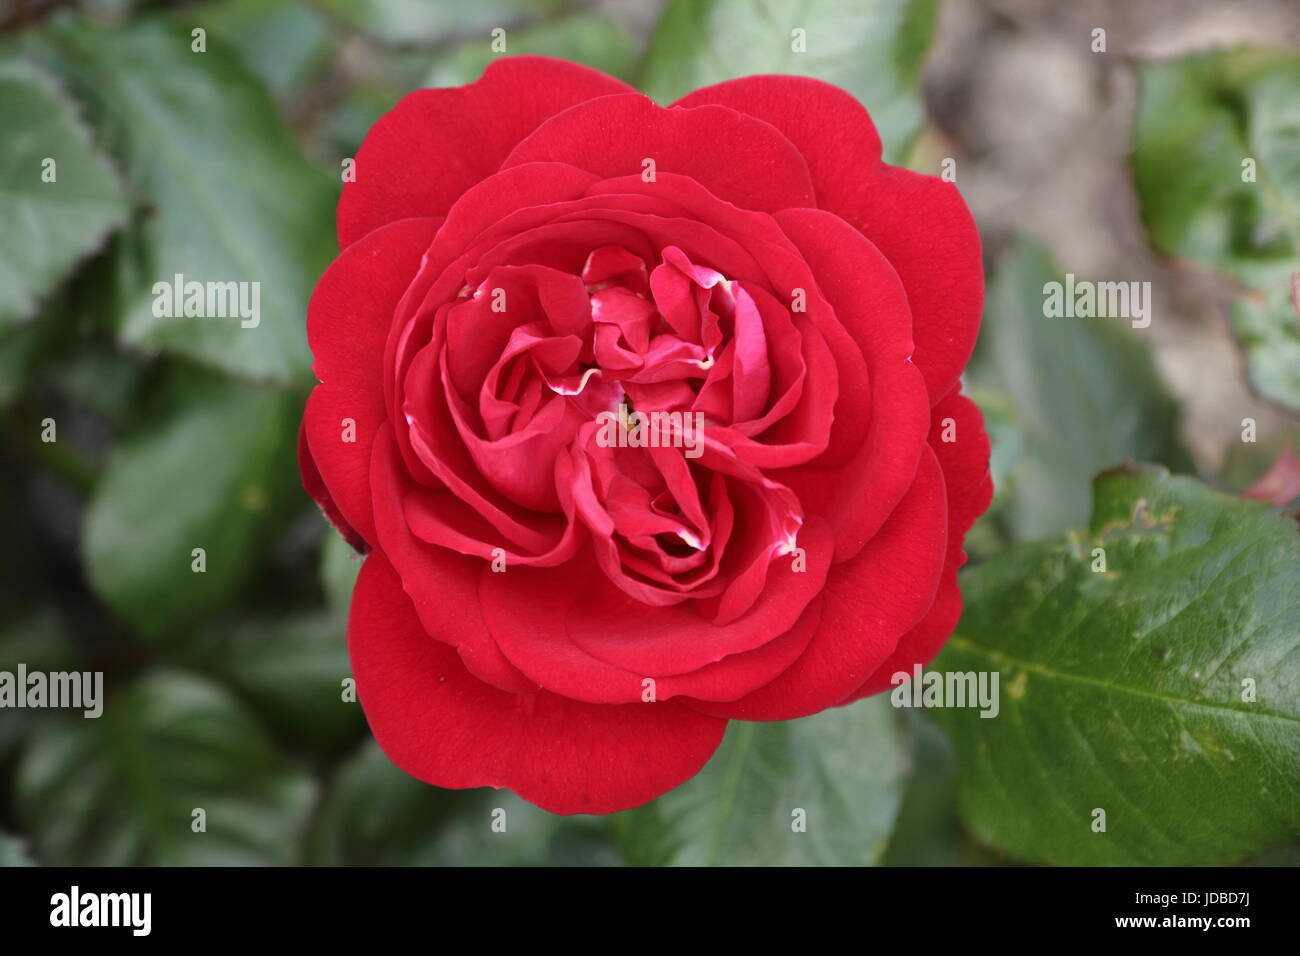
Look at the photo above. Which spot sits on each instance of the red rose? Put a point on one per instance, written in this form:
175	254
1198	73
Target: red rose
560	605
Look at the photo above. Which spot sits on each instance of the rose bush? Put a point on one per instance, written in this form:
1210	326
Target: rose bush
577	621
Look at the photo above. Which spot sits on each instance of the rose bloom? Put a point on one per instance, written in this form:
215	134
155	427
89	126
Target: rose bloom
575	618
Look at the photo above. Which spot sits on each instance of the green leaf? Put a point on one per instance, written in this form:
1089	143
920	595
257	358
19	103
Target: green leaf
282	41
1085	391
98	379
376	815
497	828
1126	689
844	768
873	51
231	197
927	831
19	349
1281	856
339	567
597	42
13	851
288	668
1267	324
1199	119
49	226
121	790
34	638
207	472
418	21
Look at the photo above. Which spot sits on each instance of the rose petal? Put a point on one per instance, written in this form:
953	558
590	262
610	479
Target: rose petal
440	724
965	463
348	321
621	631
314	485
425	152
869	301
922	642
919	222
871	601
526	610
740	159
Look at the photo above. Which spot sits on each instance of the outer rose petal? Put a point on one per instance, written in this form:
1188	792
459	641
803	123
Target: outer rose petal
832	130
738	158
923	226
868	298
443	726
315	486
919	222
433	145
922	642
965	463
348	320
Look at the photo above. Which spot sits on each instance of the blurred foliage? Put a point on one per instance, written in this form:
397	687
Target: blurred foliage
375	815
1083	393
595	41
415	22
229	690
60	216
1217	162
219	454
184	138
873	51
818	791
173	746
